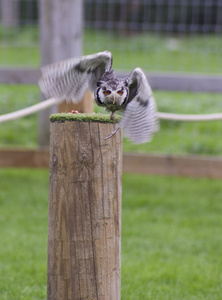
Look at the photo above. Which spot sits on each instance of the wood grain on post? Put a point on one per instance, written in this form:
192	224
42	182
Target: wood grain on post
84	237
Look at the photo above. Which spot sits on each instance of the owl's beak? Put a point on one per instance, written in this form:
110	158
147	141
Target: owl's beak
114	100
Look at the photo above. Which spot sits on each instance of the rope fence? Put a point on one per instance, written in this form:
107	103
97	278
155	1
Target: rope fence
161	115
28	110
189	118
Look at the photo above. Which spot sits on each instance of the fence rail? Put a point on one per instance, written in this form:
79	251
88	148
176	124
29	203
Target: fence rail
158	81
169	165
19	75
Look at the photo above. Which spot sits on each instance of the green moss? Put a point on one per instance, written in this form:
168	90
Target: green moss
92	117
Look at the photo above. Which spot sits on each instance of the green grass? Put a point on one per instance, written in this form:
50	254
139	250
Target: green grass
23	219
24	131
171	237
156	52
19	46
152	52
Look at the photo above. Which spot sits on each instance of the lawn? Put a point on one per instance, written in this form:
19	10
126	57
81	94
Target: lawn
150	51
159	52
171	237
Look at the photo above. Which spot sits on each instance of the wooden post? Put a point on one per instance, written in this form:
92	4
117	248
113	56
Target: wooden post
85	106
61	38
9	10
84	237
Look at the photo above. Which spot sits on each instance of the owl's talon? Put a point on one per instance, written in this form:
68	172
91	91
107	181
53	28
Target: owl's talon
112	116
112	134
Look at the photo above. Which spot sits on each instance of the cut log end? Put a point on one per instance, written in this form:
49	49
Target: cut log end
84	117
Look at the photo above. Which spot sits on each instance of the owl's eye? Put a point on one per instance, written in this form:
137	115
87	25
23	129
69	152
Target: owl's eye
120	92
106	93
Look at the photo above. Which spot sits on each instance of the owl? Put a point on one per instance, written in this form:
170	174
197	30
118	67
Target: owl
68	80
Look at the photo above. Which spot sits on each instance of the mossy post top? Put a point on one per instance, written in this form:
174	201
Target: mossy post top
84	117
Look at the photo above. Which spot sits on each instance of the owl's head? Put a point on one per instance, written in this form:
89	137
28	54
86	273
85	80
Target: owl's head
113	94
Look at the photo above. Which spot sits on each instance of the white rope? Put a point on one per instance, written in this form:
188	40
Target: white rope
164	116
29	110
189	118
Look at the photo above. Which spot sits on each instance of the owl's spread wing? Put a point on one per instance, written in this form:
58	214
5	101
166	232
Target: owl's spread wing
139	120
69	79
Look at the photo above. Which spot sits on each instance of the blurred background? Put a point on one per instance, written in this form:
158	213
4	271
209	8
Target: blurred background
162	37
171	226
169	36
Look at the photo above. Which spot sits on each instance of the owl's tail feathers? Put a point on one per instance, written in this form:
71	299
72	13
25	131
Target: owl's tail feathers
29	110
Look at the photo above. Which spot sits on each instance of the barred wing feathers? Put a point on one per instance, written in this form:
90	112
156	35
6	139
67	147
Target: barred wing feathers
139	120
69	79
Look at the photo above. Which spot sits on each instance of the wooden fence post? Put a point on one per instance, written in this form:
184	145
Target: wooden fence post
84	237
9	13
85	106
61	24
